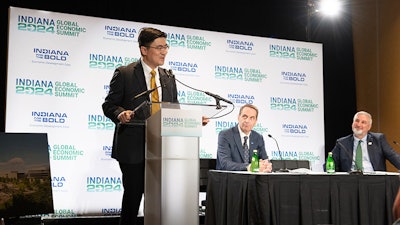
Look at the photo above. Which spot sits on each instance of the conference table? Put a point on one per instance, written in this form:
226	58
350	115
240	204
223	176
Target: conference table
300	198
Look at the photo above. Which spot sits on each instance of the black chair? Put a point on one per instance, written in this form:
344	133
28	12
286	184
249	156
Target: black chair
205	166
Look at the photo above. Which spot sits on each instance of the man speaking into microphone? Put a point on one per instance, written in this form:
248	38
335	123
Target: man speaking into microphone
129	136
363	150
126	105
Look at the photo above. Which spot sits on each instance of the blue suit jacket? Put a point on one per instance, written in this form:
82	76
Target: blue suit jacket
379	151
230	154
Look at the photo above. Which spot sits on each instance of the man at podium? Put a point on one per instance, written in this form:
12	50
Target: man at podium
128	109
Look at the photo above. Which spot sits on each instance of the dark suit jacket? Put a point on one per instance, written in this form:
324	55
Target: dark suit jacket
127	82
379	151
230	154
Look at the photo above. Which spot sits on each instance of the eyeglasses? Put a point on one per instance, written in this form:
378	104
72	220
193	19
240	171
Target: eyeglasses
160	47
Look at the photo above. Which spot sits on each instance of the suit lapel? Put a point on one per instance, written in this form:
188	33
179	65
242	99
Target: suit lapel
371	145
138	75
238	141
164	85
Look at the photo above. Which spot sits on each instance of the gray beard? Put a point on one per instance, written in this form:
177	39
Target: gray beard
357	132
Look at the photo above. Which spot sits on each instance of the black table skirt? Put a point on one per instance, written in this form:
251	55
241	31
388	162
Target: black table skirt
293	199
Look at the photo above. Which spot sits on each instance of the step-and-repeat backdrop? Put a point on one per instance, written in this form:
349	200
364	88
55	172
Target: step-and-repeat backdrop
60	66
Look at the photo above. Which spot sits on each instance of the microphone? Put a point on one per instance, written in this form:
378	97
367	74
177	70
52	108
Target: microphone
147	92
280	155
357	171
217	97
140	106
396	143
169	73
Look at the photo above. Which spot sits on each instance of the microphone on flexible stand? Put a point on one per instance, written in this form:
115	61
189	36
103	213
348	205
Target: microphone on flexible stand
146	101
284	169
170	74
217	99
358	171
215	96
147	92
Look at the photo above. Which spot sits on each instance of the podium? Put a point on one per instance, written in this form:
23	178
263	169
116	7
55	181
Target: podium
172	163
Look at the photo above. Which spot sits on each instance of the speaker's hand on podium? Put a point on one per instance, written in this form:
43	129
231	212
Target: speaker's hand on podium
125	116
205	120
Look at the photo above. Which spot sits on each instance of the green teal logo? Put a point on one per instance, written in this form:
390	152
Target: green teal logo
283	104
65	152
108	62
180	122
100	122
292	104
194	97
311	156
103	184
197	42
228	72
48	25
67	89
305	54
203	154
36	24
254	75
290	52
33	87
176	40
69	28
306	105
222	125
65	212
260	129
282	51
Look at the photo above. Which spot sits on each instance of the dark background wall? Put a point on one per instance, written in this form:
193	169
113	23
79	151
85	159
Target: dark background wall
282	19
376	29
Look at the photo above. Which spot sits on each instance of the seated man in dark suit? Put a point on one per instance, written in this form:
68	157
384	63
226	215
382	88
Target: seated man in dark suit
231	154
375	149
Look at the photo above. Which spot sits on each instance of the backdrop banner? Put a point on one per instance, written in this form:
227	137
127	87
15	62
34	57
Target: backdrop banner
60	66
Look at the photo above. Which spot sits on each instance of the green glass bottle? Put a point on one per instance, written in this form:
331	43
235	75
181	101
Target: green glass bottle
254	167
330	164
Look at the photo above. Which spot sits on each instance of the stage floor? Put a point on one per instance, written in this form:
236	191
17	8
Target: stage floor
95	220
